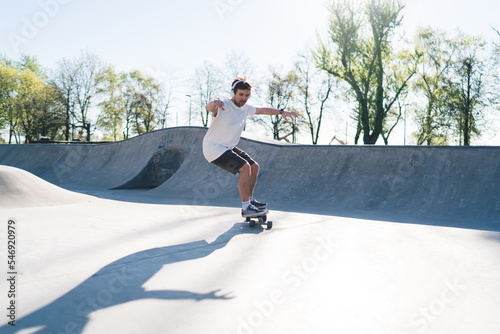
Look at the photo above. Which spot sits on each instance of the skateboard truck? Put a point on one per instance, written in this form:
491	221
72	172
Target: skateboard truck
261	220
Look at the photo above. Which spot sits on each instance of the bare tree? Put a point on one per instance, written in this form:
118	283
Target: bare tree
88	76
165	102
65	81
495	74
281	94
208	86
315	88
237	65
77	81
498	32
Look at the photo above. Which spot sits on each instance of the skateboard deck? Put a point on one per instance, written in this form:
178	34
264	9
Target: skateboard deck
262	220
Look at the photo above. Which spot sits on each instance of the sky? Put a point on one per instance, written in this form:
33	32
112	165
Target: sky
171	38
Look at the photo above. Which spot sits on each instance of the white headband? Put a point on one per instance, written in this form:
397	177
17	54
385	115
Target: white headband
237	82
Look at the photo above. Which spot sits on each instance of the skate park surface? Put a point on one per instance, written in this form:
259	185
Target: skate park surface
144	236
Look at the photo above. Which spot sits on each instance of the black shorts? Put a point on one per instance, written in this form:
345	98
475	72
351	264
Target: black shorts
233	160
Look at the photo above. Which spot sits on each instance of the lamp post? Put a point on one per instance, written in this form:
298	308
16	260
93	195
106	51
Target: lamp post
189	108
404	140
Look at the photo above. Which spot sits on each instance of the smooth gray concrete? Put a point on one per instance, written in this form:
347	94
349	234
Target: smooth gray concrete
442	182
365	239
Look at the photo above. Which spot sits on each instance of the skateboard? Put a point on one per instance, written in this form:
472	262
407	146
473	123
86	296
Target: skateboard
261	220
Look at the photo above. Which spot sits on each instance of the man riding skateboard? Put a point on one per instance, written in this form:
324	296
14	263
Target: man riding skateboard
219	145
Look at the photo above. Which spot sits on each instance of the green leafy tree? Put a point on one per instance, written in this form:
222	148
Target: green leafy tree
30	62
397	82
112	106
467	90
146	94
359	52
433	119
131	103
50	118
8	92
28	103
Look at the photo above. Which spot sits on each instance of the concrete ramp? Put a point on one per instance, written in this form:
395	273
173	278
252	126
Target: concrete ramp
460	182
100	166
430	181
439	182
163	164
21	189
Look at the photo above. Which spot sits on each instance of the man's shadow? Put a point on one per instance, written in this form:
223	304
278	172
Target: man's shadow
120	282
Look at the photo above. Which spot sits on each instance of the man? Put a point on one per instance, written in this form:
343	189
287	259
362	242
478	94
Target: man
219	145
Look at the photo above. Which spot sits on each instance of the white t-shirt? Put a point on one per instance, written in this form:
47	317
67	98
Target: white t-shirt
225	129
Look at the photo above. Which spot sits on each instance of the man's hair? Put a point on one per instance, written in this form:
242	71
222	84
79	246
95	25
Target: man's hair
240	83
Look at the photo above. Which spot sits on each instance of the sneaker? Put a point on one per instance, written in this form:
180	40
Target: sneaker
258	204
252	211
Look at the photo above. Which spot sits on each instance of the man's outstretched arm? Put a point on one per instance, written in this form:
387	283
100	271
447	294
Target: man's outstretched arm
274	111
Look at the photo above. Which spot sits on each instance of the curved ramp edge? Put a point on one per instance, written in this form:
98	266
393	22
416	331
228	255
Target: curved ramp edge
21	189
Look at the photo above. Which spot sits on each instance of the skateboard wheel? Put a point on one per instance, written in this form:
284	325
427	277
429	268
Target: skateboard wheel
247	219
251	223
269	225
263	219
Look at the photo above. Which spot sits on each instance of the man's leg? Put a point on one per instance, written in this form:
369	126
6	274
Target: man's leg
245	182
237	161
254	174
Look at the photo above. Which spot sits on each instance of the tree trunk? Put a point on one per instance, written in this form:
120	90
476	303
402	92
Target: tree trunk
467	104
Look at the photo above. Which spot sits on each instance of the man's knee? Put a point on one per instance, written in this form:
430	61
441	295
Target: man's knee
255	168
245	169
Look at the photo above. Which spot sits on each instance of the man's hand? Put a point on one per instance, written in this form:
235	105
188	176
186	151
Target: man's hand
218	104
214	107
289	114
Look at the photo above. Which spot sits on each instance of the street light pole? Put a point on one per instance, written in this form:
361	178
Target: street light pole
404	140
405	127
189	108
